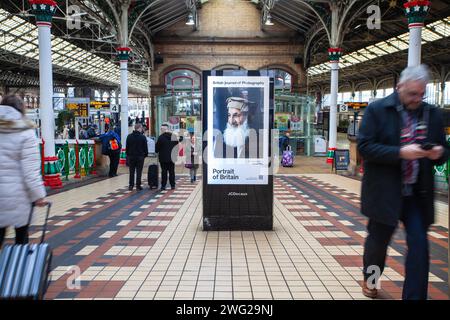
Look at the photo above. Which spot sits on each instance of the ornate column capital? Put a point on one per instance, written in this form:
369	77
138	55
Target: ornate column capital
416	11
334	54
123	53
43	10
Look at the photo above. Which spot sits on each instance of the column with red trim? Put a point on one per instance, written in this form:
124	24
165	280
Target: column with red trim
44	11
416	11
333	56
123	54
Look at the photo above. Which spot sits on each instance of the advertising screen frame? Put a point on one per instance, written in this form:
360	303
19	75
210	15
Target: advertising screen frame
241	206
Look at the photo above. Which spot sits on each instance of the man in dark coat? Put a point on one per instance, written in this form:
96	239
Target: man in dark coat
167	155
401	138
136	147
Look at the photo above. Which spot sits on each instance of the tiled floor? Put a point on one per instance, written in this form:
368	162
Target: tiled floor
150	245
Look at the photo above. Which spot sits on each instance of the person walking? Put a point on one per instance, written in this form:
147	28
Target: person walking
20	169
111	147
400	139
192	157
136	150
166	156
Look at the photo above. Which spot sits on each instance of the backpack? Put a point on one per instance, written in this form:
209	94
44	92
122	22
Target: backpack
113	144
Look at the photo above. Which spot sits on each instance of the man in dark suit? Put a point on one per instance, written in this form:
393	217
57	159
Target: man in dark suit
136	149
401	138
167	149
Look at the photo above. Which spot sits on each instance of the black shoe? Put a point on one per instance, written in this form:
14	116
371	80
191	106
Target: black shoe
139	188
172	188
163	189
130	188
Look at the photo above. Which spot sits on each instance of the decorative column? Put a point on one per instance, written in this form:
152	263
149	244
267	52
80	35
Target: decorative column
44	11
416	12
151	111
124	54
442	96
333	55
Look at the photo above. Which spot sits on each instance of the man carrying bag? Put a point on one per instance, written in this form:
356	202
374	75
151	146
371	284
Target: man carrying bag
111	147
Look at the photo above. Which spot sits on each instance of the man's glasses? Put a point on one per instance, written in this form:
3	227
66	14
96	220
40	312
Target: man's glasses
416	95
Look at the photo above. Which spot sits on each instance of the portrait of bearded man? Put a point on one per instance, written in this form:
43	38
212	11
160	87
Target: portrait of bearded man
238	140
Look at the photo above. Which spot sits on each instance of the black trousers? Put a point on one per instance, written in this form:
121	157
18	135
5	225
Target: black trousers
167	167
114	158
135	164
417	265
21	235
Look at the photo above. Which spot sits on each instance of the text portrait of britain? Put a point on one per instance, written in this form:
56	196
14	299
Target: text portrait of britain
239	139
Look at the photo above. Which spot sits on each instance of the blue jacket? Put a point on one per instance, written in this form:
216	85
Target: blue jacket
105	141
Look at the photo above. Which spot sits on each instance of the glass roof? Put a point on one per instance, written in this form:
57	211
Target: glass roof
432	32
21	37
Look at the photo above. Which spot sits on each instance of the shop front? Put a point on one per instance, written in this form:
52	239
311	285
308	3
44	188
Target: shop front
294	113
181	104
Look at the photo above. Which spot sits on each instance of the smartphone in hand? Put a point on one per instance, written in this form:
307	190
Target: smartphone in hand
428	146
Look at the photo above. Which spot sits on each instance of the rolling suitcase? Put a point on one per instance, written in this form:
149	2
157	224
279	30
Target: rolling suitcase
152	176
24	269
288	158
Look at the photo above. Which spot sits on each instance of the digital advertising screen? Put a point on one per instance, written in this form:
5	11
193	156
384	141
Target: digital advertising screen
238	127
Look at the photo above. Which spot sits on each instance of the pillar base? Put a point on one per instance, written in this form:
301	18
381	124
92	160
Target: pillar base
123	157
53	181
52	176
330	156
361	169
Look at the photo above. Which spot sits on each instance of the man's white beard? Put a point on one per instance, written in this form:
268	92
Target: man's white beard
235	136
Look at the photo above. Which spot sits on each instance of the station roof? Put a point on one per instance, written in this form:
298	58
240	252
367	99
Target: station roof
86	56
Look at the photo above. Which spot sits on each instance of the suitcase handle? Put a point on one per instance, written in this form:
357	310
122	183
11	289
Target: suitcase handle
44	227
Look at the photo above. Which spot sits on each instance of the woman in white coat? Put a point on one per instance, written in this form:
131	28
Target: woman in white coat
20	175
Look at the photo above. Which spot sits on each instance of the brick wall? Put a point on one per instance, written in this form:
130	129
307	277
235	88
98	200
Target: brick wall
229	32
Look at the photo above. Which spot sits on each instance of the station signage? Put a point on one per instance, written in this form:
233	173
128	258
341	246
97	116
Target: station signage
100	105
79	106
356	105
341	159
79	109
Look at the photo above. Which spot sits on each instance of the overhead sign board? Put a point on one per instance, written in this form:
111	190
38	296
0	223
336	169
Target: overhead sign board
356	105
100	105
343	108
79	106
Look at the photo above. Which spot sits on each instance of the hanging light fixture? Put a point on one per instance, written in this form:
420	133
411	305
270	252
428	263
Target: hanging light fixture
190	19
269	20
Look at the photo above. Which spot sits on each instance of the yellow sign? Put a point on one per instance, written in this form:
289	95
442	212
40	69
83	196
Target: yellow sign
100	105
79	109
356	105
